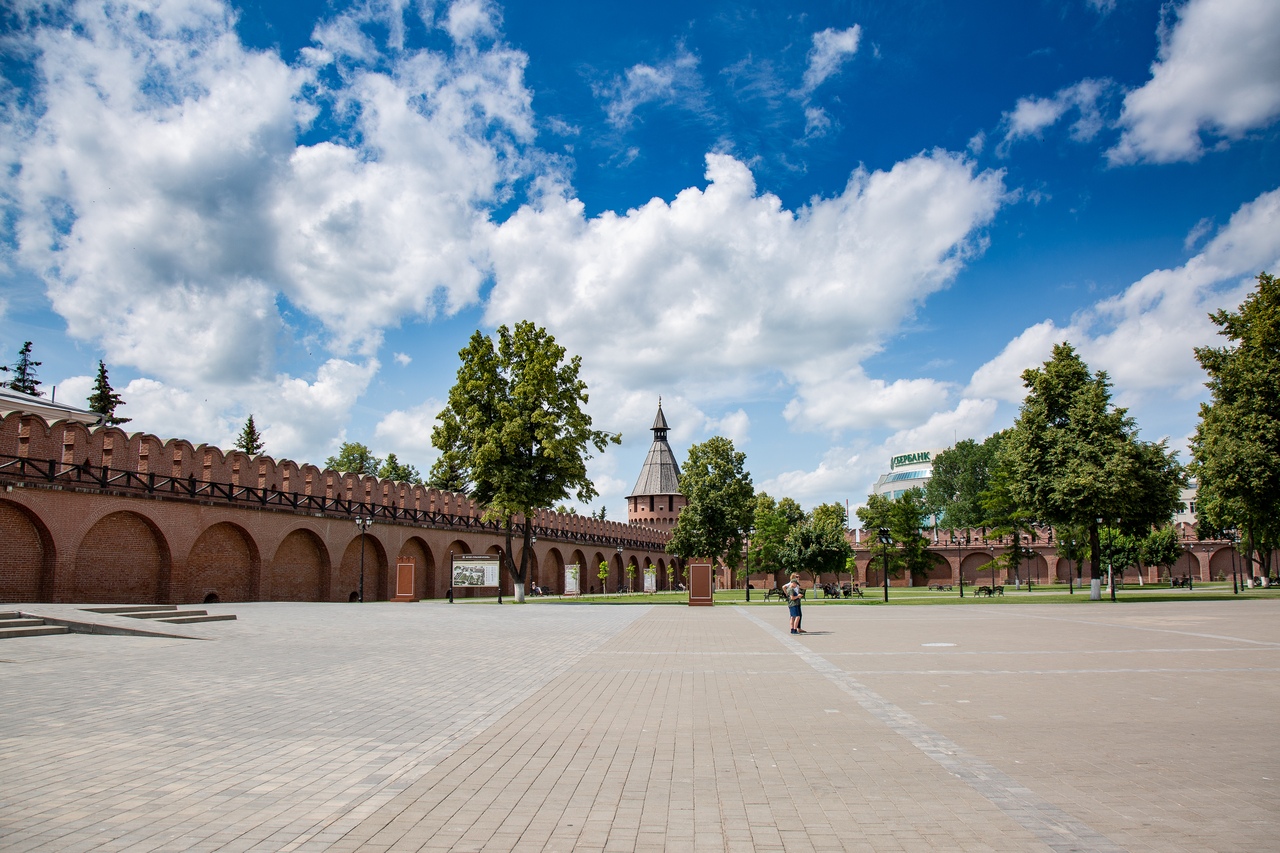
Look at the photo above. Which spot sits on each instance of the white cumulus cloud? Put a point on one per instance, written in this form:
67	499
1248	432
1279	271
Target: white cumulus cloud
723	291
1217	74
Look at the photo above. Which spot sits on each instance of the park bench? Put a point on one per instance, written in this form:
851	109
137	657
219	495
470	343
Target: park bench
940	587
850	590
989	591
773	593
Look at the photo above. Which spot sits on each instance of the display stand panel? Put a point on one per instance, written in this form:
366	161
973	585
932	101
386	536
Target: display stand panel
700	589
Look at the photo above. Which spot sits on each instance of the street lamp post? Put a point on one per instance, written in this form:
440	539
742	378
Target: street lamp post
1111	569
1071	569
622	568
959	562
1031	561
885	540
993	566
362	522
1235	582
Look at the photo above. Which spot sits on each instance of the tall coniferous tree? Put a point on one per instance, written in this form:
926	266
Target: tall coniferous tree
104	400
250	440
24	372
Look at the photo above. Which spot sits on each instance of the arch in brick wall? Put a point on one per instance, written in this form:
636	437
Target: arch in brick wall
298	570
123	559
1036	569
552	575
224	562
593	572
940	571
426	581
27	557
375	570
972	564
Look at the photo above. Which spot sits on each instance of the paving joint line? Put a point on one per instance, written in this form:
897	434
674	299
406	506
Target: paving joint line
1059	830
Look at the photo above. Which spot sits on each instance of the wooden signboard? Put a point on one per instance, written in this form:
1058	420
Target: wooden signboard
700	588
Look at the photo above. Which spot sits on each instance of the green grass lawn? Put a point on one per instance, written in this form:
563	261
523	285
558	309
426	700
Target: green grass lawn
1040	594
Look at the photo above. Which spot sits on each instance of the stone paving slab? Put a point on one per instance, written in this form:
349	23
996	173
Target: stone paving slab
386	727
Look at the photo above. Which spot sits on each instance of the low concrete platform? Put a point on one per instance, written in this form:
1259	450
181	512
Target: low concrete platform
399	727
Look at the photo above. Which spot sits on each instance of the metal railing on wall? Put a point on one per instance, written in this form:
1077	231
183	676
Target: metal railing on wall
103	479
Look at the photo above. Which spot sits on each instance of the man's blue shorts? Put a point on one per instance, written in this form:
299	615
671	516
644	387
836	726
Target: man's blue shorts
794	608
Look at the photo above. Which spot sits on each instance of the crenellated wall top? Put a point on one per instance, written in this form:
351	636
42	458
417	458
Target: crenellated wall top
70	443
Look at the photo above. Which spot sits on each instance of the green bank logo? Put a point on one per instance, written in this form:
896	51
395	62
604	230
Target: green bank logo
909	459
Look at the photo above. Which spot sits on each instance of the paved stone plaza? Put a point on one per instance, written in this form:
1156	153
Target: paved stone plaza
398	727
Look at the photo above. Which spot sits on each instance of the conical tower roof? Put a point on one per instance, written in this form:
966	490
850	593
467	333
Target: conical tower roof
660	474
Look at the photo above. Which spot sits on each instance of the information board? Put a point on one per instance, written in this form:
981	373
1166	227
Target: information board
475	570
571	579
650	580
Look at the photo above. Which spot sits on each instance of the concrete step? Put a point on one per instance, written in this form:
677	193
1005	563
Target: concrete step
130	609
185	619
30	628
17	620
165	614
10	614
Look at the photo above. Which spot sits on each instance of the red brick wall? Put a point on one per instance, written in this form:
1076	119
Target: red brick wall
296	572
119	560
375	571
221	562
426	580
23	557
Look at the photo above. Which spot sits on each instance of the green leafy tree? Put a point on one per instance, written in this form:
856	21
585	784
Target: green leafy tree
1235	453
104	400
721	504
392	469
1162	547
772	523
1122	550
1072	544
515	429
1003	515
353	457
961	475
905	518
817	544
602	572
24	372
250	440
1072	458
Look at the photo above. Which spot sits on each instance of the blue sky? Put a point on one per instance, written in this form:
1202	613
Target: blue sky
834	232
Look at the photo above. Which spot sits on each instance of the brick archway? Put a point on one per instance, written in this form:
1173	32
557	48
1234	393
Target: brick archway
122	559
298	571
426	579
28	558
375	570
224	562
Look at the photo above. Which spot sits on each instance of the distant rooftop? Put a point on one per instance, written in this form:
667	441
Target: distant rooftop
16	401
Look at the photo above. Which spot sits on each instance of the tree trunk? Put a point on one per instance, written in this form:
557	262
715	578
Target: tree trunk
1095	563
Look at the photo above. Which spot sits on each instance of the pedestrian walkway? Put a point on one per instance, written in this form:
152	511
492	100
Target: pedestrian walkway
404	727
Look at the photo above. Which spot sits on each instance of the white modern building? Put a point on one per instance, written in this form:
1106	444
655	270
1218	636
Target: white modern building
906	471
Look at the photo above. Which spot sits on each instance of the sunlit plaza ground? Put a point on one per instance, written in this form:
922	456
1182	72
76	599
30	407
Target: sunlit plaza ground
1001	725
